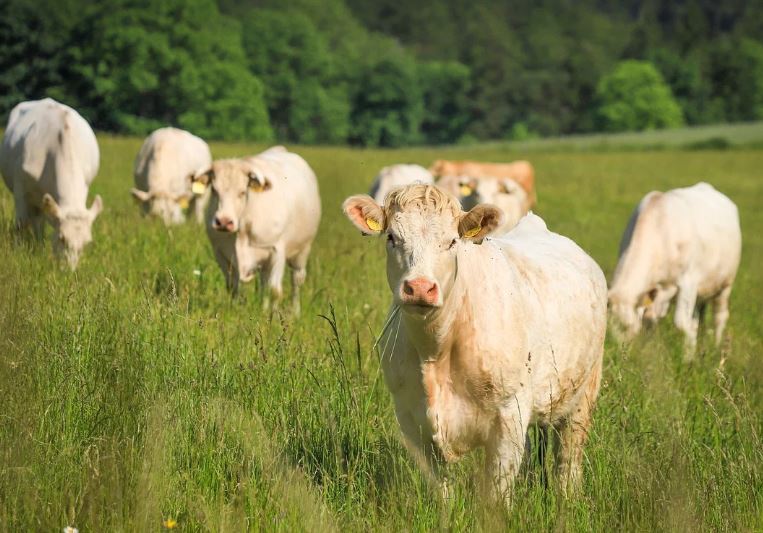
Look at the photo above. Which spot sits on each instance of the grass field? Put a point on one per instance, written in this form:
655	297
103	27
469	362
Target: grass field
135	390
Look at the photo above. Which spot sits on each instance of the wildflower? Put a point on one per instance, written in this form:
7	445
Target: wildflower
170	523
70	529
197	272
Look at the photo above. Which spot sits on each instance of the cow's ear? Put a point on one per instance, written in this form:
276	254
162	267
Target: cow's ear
96	207
436	168
478	223
258	182
201	180
365	214
141	196
50	207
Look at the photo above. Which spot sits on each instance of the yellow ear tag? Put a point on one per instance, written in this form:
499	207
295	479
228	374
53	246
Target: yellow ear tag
472	232
256	186
373	224
646	300
198	187
465	190
183	202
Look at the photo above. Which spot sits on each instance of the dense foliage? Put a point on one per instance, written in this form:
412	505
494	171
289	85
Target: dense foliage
384	72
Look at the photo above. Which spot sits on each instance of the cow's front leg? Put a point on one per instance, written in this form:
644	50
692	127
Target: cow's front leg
505	447
274	276
686	318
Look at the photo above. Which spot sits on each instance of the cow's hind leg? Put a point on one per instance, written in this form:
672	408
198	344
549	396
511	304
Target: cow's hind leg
298	266
721	313
573	434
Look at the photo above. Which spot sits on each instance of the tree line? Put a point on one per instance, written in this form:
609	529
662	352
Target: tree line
384	72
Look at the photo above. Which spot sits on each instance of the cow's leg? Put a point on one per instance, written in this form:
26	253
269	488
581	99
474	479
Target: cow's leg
505	448
662	302
424	452
200	202
721	313
686	318
298	266
573	434
23	215
229	269
275	268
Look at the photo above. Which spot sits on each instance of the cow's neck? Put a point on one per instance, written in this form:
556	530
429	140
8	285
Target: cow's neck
434	335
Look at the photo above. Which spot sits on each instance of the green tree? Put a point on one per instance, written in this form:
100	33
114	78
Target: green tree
736	75
635	97
445	87
138	64
387	106
305	100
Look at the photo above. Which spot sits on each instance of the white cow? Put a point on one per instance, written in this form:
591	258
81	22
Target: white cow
264	213
504	193
485	338
395	176
164	169
48	159
687	242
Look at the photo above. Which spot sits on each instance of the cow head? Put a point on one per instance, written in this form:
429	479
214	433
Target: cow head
166	206
425	227
626	316
72	228
231	180
504	193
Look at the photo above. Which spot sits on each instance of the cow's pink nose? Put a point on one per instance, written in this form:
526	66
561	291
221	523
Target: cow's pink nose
222	224
420	291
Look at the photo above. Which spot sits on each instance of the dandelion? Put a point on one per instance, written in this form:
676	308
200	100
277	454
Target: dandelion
170	523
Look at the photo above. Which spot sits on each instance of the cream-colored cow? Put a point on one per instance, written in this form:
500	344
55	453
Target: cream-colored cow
684	241
264	213
395	176
49	158
166	163
485	336
509	186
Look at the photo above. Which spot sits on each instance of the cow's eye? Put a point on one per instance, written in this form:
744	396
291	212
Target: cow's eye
452	244
390	240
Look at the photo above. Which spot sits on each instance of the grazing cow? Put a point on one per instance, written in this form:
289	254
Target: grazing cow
164	168
395	176
48	159
686	242
509	186
264	213
485	336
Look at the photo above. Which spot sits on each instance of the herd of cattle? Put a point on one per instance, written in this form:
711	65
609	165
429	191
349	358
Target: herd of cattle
496	322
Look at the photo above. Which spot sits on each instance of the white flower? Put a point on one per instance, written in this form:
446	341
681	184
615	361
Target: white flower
70	529
197	272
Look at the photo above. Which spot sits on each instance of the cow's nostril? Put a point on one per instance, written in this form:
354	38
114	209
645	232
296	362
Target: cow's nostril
432	289
408	288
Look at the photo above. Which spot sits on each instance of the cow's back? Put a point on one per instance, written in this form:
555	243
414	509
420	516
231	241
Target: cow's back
167	158
51	144
561	296
293	209
702	227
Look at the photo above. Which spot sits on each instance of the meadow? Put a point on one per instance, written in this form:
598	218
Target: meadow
135	390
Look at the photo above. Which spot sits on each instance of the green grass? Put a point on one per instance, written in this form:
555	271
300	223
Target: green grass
714	137
135	390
